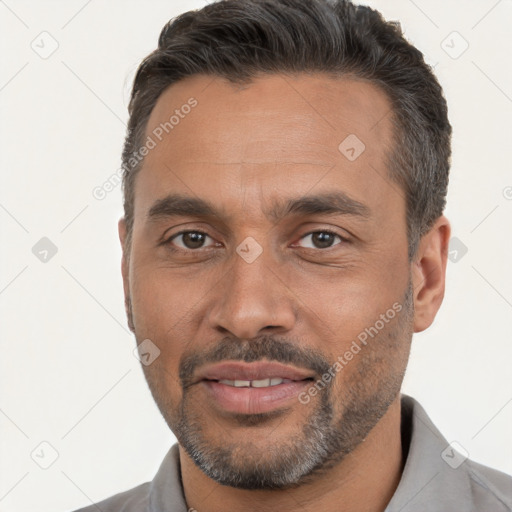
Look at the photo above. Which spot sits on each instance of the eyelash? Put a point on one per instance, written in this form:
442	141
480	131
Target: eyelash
180	249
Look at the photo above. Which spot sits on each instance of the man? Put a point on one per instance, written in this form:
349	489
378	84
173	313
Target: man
286	168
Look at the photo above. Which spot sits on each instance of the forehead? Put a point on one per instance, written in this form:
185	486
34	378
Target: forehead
273	134
317	109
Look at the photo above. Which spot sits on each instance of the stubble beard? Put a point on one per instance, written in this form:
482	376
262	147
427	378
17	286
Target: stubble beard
335	426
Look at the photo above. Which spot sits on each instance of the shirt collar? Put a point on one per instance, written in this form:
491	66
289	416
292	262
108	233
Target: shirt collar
429	483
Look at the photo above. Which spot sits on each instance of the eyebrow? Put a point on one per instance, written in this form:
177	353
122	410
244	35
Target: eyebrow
331	203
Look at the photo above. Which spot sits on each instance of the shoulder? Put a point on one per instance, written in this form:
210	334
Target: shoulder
490	487
164	492
437	477
133	500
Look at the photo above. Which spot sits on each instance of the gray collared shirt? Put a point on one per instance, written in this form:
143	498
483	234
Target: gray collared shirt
436	478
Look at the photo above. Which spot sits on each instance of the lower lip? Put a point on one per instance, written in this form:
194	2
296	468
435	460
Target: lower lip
248	400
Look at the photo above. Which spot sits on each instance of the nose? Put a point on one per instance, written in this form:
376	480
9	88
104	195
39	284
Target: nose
252	298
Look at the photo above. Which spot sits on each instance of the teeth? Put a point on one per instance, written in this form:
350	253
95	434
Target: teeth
242	383
263	383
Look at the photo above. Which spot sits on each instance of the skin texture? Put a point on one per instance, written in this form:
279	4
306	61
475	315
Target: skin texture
242	148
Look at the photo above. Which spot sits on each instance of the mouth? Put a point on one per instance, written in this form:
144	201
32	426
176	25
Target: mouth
259	383
252	388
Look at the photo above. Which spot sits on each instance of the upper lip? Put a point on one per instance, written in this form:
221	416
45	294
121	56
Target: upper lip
238	370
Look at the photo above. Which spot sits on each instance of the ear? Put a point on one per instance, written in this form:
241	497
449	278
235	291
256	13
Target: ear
429	272
125	271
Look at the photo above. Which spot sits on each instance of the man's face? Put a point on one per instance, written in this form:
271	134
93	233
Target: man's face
299	261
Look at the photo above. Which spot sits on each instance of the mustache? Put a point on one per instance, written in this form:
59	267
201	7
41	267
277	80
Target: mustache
265	347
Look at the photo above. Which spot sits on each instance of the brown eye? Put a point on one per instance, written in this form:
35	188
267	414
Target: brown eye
189	239
321	239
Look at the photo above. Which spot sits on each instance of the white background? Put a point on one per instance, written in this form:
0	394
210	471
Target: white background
68	374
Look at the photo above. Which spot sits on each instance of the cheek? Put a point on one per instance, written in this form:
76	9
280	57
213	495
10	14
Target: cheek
160	298
158	316
167	309
350	302
351	309
375	358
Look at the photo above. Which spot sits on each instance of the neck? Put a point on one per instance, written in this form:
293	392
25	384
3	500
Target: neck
364	481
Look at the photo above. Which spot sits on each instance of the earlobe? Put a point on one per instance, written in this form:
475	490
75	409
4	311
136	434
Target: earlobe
121	226
125	272
429	273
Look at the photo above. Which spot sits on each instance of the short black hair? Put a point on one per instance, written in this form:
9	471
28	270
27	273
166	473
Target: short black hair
242	39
